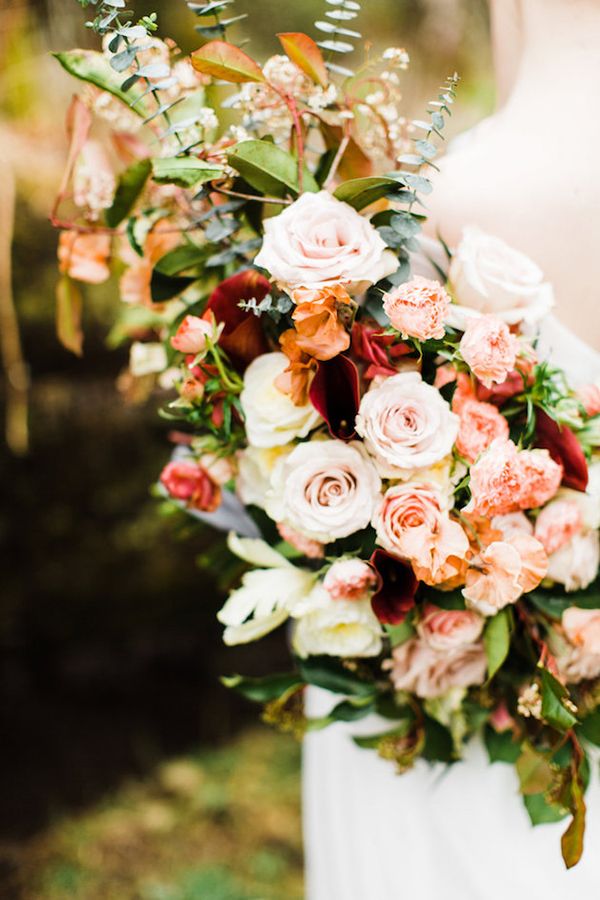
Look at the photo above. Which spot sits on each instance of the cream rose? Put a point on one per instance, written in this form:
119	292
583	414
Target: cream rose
406	424
324	489
343	628
415	666
255	467
319	241
576	564
271	417
488	276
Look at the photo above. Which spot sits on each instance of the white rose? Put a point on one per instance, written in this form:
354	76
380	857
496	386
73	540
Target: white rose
255	467
576	564
406	425
271	417
324	489
319	240
488	276
344	628
267	596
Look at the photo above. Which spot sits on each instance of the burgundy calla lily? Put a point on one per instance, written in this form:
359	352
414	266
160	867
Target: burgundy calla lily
564	448
396	588
335	394
242	337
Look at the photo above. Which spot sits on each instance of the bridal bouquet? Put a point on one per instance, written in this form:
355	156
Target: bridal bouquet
419	487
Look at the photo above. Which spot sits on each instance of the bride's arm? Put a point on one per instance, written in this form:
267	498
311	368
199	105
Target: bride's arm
507	45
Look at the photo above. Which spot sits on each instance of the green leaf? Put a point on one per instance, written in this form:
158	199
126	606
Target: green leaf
554	712
183	258
443	599
540	811
184	171
226	61
399	634
130	186
361	192
590	728
164	287
326	672
69	307
269	169
501	745
554	602
92	66
303	51
496	639
572	840
534	771
438	746
261	690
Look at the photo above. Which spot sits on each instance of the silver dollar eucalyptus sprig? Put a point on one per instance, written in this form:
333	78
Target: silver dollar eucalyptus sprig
214	9
339	35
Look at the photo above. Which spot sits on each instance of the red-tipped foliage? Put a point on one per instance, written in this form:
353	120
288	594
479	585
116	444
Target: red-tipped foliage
396	588
242	337
335	394
564	448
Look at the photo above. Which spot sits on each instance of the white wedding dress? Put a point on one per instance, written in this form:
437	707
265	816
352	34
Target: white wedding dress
436	833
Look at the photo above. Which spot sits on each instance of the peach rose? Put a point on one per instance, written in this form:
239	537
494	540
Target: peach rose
406	424
541	478
320	333
412	523
418	308
576	564
84	257
479	425
415	666
324	489
589	397
319	240
349	579
446	629
557	523
489	349
502	572
192	333
188	481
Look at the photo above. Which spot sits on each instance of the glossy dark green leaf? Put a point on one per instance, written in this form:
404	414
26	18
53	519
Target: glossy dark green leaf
184	171
261	690
93	67
130	186
327	672
496	639
501	745
540	811
361	192
590	728
553	709
269	168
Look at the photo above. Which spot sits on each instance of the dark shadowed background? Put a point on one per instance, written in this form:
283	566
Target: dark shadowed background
127	771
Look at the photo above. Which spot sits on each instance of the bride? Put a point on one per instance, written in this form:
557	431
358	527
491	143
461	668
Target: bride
528	174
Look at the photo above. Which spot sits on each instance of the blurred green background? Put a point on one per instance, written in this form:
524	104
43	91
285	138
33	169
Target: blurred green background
127	771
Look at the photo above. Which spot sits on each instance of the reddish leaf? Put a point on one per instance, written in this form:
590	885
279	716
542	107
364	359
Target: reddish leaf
396	588
498	394
334	393
68	315
78	124
242	337
223	60
354	163
303	51
564	448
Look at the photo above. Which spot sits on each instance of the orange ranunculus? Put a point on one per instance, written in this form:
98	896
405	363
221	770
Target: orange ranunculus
296	379
321	334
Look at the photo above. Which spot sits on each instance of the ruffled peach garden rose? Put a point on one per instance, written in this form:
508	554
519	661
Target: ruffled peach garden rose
320	241
480	424
489	349
418	308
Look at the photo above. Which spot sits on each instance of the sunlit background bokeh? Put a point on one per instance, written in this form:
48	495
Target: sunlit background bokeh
127	771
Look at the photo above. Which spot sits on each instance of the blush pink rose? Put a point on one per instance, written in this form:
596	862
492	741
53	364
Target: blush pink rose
489	349
319	241
187	481
412	523
418	308
349	579
480	424
447	629
191	336
557	523
589	397
415	666
576	564
541	478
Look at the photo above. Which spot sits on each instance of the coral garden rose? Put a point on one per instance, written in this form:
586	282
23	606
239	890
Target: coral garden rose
417	667
479	425
271	417
343	628
541	477
488	276
418	308
589	397
349	579
84	257
489	349
406	424
319	241
557	523
190	482
319	330
324	489
411	522
192	334
576	564
447	629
